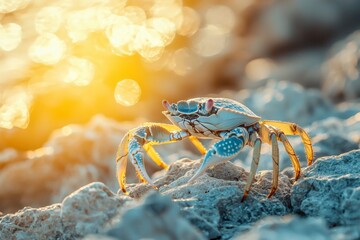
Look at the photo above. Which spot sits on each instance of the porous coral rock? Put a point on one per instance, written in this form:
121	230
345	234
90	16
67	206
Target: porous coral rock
341	71
330	188
84	211
73	157
288	227
157	217
214	199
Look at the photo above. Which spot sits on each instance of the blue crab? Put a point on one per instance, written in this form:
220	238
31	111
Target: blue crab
234	126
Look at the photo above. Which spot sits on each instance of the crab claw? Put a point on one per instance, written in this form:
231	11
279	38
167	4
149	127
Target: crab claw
220	152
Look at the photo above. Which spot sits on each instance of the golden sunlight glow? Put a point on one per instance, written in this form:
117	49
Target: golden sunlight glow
72	70
74	39
127	92
165	27
171	9
222	17
190	23
66	131
40	152
183	61
209	41
8	6
47	49
81	23
14	109
135	15
149	44
259	69
48	20
79	71
10	36
121	33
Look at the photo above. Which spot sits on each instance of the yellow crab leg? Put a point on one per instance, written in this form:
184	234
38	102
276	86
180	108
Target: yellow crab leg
121	162
275	157
154	155
290	150
294	129
255	142
265	133
196	142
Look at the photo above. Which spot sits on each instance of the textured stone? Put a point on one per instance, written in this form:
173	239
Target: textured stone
85	211
214	200
31	223
157	217
330	188
341	77
88	209
73	157
288	227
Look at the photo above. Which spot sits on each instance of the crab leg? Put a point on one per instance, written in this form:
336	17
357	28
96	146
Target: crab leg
144	138
290	151
224	150
265	133
275	157
255	142
294	129
121	162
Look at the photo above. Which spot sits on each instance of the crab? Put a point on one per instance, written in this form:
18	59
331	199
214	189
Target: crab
231	123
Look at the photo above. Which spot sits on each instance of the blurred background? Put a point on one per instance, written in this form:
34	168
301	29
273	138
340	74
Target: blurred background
76	75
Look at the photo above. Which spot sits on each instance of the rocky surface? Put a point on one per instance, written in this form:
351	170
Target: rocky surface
158	217
74	156
206	202
330	189
84	211
341	70
212	205
288	227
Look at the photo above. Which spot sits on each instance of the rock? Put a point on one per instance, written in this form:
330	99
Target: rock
157	217
88	209
30	223
73	157
341	70
85	211
288	227
275	27
213	201
98	237
330	188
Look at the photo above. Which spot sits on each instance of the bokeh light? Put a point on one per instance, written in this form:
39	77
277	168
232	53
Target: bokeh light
259	69
209	41
47	49
49	20
10	36
14	108
127	92
8	6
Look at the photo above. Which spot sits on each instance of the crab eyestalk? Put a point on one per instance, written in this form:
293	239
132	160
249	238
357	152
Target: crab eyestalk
209	105
166	105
